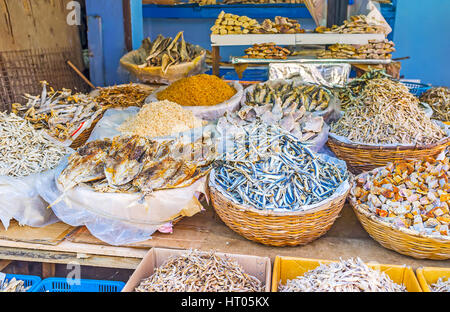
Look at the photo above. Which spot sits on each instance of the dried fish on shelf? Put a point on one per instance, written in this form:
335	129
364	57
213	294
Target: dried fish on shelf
269	169
260	1
227	24
373	50
412	195
441	285
267	51
439	100
166	52
123	96
357	24
137	164
351	275
385	112
13	285
60	113
25	150
197	272
280	25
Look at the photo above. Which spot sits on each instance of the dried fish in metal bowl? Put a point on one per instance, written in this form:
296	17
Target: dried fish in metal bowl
60	113
200	272
351	275
13	285
439	100
25	150
441	285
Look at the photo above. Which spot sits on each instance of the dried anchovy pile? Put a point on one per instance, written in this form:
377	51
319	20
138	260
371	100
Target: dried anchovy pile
198	272
59	112
351	275
441	285
13	286
411	195
357	24
386	112
122	96
439	100
25	150
271	170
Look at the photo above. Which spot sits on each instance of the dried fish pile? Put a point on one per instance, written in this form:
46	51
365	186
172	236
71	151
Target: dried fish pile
373	50
280	25
61	113
204	2
25	150
157	119
122	96
357	24
441	285
267	51
270	169
385	112
166	52
351	275
409	195
198	272
260	1
13	285
129	164
439	100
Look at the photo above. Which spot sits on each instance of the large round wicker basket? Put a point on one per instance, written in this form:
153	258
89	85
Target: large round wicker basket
360	157
275	228
404	242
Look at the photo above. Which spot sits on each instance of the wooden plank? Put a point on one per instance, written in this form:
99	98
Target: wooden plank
216	60
4	264
49	235
48	270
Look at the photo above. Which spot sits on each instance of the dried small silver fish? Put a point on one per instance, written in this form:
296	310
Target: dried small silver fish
13	285
441	285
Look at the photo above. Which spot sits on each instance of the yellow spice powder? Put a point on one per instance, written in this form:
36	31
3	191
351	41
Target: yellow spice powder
199	90
160	119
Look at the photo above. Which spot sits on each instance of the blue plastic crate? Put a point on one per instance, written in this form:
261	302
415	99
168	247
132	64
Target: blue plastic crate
28	280
60	284
416	88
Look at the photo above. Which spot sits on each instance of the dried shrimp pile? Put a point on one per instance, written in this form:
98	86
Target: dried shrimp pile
122	96
387	113
441	285
351	275
25	150
439	100
200	273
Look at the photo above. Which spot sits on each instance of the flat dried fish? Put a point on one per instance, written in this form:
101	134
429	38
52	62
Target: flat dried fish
351	275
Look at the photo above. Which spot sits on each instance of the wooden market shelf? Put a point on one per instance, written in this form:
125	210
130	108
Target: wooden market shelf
242	60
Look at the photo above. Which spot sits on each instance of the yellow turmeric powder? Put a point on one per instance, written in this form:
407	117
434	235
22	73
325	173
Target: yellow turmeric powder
199	90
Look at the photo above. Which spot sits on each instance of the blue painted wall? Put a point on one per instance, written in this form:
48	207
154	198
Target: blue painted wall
422	32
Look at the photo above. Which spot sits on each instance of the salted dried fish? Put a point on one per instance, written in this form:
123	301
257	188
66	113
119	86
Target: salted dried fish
25	150
439	100
441	285
373	50
357	24
198	272
267	51
123	96
351	275
13	285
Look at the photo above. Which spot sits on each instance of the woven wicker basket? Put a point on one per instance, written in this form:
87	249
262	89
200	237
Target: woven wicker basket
274	228
360	158
84	136
413	245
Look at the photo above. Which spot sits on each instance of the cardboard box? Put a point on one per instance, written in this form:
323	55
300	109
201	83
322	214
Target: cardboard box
289	268
430	275
259	267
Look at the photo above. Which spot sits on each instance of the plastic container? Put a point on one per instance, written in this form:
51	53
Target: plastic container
430	275
60	284
289	268
29	280
416	88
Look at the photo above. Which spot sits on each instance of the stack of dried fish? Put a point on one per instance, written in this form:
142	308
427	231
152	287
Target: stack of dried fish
260	1
198	272
267	51
409	195
227	24
13	286
385	112
25	150
351	275
204	2
439	100
338	51
122	96
269	169
373	50
357	24
166	52
441	285
280	25
136	164
61	113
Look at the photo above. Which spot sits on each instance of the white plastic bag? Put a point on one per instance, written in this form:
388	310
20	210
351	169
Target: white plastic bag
209	112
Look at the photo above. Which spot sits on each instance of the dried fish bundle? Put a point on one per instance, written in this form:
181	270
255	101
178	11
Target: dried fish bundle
385	112
13	285
357	24
198	272
25	150
227	24
439	100
409	195
441	285
166	52
267	51
269	169
351	275
122	96
60	113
